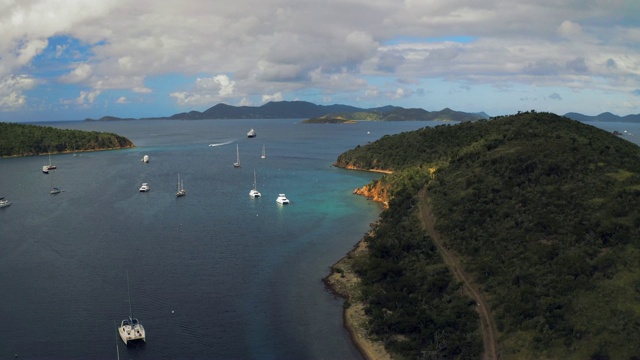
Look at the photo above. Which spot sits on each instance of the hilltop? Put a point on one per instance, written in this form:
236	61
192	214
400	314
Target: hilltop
540	212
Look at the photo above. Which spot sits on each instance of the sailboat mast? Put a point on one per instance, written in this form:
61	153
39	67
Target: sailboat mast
129	292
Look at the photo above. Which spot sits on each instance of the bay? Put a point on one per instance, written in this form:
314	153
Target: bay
213	275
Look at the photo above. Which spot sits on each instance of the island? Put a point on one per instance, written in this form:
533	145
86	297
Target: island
516	237
25	140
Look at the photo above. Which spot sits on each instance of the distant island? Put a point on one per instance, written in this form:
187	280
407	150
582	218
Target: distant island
314	113
511	238
394	113
338	113
25	140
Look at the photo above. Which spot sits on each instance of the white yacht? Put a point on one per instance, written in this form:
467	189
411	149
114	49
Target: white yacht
282	199
145	159
131	329
144	187
254	193
4	202
251	133
45	169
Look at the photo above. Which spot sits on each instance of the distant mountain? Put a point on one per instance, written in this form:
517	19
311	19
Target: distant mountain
270	110
605	117
307	110
109	118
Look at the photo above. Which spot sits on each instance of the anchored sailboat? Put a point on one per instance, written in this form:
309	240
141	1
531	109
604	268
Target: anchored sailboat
254	193
131	329
264	154
181	191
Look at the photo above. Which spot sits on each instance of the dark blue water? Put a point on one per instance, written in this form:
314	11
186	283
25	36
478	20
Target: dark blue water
213	275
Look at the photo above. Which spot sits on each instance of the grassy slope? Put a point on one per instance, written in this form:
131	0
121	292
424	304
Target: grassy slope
543	212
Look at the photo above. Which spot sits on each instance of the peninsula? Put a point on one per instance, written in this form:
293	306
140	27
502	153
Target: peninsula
25	140
513	238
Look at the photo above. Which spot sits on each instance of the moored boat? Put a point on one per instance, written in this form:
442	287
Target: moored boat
4	202
181	191
282	199
131	329
254	193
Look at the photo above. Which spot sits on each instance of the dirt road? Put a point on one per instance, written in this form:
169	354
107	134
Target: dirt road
489	332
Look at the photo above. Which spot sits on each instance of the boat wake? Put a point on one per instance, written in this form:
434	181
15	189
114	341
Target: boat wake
222	143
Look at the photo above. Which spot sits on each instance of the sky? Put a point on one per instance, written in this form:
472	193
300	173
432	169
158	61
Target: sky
77	59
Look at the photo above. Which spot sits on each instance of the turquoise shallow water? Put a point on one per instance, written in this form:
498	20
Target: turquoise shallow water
215	274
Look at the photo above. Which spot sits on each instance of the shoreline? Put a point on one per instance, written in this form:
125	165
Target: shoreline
351	167
342	282
67	152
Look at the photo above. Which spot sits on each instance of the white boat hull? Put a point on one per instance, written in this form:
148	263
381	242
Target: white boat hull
282	199
130	333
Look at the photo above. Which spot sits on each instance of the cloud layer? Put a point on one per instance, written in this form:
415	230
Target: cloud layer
195	54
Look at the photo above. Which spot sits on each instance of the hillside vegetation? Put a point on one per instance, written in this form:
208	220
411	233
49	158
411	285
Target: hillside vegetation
542	211
22	140
393	113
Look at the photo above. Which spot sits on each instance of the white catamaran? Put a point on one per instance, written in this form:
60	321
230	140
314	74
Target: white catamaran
254	193
131	329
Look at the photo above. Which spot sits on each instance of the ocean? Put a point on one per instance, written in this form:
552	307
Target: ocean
212	275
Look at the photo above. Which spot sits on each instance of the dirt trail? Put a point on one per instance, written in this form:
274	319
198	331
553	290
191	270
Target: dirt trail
489	332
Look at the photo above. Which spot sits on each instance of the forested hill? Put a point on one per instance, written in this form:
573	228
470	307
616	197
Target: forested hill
544	214
22	140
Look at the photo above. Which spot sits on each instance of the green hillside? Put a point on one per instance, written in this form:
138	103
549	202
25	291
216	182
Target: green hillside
393	113
544	214
22	140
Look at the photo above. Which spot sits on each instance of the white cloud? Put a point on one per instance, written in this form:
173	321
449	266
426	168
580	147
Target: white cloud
291	48
122	100
79	74
11	91
570	29
206	91
273	97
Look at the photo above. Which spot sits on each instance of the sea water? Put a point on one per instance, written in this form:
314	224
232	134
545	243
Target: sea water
212	275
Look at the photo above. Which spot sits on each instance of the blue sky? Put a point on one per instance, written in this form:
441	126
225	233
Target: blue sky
69	60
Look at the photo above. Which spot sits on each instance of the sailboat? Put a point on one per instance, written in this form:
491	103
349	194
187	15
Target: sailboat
51	167
237	163
254	193
131	329
264	154
54	190
181	191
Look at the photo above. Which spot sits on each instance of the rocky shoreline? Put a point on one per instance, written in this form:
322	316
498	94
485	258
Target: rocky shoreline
344	282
